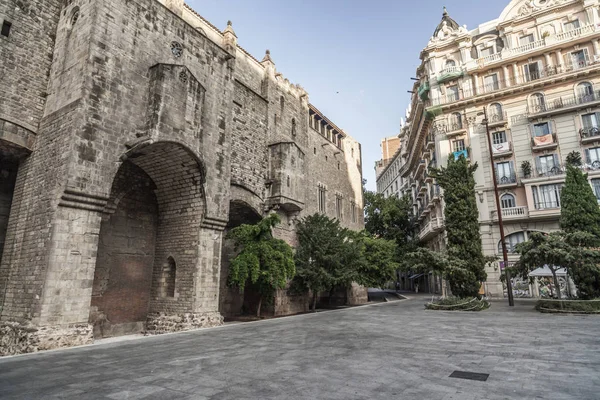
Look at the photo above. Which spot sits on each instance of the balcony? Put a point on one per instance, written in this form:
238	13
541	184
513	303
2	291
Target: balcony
420	167
497	119
430	145
507	180
435	193
589	134
428	178
546	142
549	72
512	213
547	172
464	153
500	150
454	129
431	228
562	105
423	189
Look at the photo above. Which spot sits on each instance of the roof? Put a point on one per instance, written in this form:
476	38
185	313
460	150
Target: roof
450	23
334	126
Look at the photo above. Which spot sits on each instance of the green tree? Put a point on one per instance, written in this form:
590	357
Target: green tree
390	218
262	260
327	255
462	227
580	213
378	264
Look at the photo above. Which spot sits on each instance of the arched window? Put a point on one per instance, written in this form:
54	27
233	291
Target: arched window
585	92
450	64
495	112
511	241
508	201
168	278
456	121
538	102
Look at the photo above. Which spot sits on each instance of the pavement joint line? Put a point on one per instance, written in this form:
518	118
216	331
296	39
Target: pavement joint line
133	338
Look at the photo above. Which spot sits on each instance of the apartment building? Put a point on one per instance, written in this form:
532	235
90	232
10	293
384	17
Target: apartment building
535	72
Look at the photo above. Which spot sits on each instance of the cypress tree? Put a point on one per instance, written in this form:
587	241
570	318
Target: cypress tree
462	227
580	213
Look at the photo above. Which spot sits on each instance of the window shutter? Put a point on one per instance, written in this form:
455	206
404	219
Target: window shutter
538	164
556	160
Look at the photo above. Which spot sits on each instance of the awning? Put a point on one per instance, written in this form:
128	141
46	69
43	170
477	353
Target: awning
545	271
416	276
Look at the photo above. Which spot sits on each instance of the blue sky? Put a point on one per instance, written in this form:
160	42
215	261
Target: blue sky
365	50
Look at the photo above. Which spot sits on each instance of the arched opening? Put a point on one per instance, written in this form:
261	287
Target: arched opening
450	63
232	303
156	202
495	112
508	201
585	92
512	241
456	121
538	102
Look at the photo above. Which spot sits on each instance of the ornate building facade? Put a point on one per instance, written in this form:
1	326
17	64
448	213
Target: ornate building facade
133	136
536	72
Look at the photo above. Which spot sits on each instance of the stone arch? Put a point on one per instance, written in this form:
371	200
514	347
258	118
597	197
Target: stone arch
154	214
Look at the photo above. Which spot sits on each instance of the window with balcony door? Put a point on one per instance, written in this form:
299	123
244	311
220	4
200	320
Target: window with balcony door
505	173
548	165
569	26
542	134
523	40
512	241
592	157
578	59
508	201
532	71
455	122
491	83
538	102
486	51
585	92
596	187
499	137
546	196
458	145
452	92
450	63
591	125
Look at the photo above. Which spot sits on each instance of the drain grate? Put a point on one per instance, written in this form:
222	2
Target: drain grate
474	376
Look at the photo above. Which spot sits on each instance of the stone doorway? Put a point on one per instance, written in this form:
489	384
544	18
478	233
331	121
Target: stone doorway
148	251
232	303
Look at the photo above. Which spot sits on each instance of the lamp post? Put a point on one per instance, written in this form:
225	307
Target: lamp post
511	300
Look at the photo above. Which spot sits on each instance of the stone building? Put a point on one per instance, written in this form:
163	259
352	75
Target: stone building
536	72
133	136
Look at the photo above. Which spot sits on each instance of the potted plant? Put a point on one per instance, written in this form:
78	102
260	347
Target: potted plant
526	168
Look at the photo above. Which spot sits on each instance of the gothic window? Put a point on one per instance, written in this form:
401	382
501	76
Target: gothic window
74	16
321	198
338	206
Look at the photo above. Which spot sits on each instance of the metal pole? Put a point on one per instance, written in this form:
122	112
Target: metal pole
511	300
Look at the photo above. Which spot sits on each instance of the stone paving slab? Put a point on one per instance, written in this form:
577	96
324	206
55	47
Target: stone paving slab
390	350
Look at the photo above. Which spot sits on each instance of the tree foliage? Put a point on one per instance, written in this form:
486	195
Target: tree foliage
262	260
378	264
466	262
327	255
580	213
390	218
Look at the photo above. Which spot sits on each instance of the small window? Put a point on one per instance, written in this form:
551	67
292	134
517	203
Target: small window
338	206
321	198
293	127
281	104
6	28
288	181
326	158
168	278
314	150
353	211
339	165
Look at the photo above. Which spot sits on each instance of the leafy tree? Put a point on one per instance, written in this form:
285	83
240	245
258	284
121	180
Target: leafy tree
390	218
580	213
467	262
327	255
378	261
263	260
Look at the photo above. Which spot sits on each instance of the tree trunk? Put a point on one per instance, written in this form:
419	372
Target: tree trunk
330	295
259	306
314	307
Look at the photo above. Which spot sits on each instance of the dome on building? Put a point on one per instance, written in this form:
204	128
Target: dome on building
446	21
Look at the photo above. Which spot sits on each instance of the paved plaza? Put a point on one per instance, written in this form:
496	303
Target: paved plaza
384	351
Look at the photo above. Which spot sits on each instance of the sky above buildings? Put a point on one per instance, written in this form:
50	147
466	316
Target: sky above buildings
355	58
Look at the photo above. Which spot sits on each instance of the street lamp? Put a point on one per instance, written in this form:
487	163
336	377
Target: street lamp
511	300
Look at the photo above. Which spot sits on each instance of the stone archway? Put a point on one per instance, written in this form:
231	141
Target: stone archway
148	250
232	303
